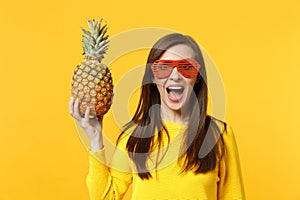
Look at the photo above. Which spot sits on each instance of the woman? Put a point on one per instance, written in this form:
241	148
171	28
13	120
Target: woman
171	149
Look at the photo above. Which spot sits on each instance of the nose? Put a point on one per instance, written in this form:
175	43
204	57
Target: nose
175	75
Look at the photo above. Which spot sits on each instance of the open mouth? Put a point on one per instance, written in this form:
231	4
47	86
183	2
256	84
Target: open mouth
175	93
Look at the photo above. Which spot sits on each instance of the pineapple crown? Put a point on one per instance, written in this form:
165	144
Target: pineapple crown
95	41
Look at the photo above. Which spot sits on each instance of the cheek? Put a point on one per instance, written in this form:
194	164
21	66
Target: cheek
191	82
160	89
159	84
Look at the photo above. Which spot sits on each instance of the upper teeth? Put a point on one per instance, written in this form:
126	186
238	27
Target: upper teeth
175	88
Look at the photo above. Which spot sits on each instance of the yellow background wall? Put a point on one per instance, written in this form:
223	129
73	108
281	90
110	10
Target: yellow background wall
255	46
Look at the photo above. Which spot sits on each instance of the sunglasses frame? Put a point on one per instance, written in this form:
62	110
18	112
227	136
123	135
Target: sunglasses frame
175	63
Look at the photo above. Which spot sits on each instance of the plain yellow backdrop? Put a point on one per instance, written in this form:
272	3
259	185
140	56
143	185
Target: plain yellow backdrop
254	44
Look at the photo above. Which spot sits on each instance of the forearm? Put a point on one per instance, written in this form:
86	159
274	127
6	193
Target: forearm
98	179
97	144
104	181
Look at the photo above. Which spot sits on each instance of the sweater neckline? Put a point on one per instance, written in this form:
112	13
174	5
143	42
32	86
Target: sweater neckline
175	129
173	123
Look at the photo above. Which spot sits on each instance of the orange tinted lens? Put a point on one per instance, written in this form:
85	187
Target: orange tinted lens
188	69
162	69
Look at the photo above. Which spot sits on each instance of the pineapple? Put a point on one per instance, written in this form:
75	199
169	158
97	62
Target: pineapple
92	82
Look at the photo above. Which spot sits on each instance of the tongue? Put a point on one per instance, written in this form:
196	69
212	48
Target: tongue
174	96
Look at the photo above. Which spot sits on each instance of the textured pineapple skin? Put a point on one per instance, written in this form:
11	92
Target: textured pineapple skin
92	84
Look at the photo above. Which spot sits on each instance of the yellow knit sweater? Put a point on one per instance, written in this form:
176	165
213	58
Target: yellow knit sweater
224	182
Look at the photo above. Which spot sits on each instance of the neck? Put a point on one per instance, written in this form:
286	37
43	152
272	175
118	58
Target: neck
176	116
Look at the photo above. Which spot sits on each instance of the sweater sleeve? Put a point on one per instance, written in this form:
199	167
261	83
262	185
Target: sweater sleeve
108	182
230	186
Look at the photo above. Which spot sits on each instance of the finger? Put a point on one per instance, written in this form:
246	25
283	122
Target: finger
76	113
87	114
92	112
86	120
71	102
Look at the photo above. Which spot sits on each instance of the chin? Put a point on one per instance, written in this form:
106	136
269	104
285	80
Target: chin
177	106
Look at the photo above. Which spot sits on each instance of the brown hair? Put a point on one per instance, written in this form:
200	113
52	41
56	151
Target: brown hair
148	121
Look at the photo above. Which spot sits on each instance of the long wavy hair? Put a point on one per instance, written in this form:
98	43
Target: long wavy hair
202	130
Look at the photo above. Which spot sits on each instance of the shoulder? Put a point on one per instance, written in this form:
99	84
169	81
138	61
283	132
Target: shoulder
228	140
227	136
218	124
224	128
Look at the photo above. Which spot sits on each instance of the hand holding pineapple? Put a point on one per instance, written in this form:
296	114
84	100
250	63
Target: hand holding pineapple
91	126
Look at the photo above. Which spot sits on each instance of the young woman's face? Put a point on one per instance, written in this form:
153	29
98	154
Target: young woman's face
175	90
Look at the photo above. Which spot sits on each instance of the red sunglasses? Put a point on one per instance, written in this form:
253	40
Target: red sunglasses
188	68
